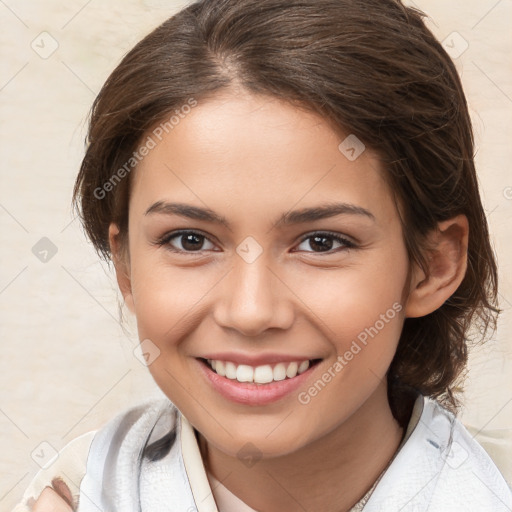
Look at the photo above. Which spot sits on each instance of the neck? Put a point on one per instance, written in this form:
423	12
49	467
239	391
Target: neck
331	474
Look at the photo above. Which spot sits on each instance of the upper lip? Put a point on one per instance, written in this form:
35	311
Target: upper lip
256	360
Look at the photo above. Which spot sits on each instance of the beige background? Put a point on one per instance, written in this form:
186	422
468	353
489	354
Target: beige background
66	363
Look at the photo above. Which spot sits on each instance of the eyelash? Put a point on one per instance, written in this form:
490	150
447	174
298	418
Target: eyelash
165	240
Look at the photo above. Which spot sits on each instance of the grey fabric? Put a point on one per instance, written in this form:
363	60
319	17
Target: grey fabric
124	471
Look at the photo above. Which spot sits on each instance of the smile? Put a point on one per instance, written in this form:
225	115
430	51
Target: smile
256	385
259	374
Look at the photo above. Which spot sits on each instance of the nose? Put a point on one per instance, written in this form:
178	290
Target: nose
253	298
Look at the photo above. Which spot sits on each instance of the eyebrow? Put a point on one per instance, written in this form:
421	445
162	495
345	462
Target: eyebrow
289	218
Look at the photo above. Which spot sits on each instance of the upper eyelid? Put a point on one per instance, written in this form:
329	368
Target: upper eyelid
181	232
328	233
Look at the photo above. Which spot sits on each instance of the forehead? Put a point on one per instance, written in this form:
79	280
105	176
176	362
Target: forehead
257	154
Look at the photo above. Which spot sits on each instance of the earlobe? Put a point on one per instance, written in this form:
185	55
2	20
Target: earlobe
122	266
447	264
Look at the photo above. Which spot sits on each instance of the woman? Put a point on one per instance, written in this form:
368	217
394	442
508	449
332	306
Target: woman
288	194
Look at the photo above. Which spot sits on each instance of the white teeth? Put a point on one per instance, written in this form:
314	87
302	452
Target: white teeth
291	371
220	368
280	372
263	374
244	373
303	366
230	371
259	374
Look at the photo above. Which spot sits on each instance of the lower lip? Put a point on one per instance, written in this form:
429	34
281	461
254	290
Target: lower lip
253	394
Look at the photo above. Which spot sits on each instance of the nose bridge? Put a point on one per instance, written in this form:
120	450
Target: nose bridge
253	298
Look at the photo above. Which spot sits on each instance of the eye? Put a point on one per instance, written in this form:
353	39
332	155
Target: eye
193	241
185	241
324	241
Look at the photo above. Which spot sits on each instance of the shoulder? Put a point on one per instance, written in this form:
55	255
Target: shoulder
468	467
441	467
68	465
71	463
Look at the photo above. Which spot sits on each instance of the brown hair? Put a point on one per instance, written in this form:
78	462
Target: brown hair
373	69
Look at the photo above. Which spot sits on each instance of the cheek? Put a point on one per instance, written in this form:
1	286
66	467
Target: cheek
359	311
348	300
360	316
166	299
168	308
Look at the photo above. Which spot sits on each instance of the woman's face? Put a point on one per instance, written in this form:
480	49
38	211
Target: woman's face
265	279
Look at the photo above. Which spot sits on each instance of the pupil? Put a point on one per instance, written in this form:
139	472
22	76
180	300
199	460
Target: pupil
188	244
319	242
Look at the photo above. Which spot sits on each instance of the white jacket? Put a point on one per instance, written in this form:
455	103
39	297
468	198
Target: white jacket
147	459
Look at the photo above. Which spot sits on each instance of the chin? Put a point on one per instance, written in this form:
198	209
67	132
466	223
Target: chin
257	445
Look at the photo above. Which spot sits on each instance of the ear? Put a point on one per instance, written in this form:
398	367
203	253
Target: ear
447	263
122	265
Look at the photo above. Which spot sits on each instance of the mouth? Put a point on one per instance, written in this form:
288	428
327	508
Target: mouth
256	385
262	374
